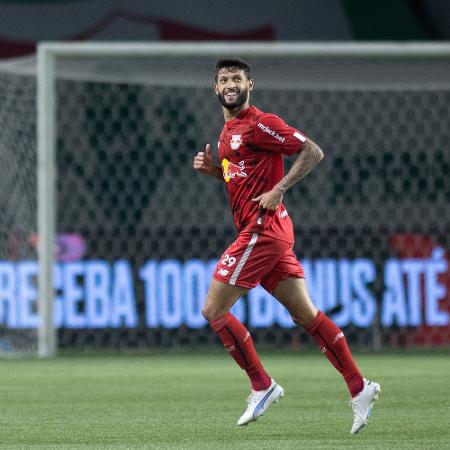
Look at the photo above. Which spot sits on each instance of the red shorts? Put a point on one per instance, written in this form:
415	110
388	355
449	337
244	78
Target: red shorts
257	259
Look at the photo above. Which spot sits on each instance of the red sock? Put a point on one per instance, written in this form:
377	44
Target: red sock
334	346
239	343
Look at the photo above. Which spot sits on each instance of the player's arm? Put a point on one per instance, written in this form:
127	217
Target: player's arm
309	157
203	163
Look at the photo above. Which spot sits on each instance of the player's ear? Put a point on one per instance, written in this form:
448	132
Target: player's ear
251	84
215	88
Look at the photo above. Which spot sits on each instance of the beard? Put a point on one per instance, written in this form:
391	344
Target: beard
241	98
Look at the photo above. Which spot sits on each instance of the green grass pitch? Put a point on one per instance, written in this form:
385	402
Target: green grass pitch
192	400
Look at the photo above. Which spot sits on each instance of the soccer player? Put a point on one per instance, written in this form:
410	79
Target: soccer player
251	147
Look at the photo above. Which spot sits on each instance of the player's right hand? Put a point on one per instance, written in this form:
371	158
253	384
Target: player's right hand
203	161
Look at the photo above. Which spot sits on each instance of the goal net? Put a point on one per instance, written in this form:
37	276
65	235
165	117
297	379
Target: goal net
137	232
18	225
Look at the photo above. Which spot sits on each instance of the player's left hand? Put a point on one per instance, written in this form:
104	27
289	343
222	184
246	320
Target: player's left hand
269	200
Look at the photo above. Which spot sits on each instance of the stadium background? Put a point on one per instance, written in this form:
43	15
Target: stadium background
139	231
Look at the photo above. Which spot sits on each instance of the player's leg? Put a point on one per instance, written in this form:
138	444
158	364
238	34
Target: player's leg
233	334
240	268
288	286
293	294
220	299
238	341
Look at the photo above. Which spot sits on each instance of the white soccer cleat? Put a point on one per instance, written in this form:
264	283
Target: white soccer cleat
259	402
362	404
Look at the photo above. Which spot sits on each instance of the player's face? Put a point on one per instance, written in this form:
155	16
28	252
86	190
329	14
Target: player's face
232	88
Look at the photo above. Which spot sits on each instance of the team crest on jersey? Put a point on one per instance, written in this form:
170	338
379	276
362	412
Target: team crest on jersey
235	141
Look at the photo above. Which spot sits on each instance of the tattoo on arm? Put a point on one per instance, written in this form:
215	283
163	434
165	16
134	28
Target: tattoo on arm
309	157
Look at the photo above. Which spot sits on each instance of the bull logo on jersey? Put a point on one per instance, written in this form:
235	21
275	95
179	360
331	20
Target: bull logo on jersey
231	170
235	141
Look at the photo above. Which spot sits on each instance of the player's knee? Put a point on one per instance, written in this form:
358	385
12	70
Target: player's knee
209	313
303	320
206	313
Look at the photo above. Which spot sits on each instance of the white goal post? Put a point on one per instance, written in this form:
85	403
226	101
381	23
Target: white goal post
50	52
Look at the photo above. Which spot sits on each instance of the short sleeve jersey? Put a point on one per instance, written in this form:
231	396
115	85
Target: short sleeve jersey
251	149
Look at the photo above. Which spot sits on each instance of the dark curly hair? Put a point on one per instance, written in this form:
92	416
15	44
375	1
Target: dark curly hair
233	63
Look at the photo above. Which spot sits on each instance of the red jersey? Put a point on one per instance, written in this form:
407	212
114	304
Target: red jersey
251	149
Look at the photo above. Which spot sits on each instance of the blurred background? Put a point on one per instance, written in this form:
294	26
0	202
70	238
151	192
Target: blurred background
23	23
139	233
